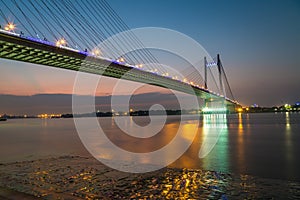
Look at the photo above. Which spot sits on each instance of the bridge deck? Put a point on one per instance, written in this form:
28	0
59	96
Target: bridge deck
26	49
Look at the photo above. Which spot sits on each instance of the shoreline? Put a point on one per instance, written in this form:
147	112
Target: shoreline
80	177
145	114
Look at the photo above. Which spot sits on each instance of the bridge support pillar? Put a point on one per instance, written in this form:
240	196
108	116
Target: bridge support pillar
231	108
214	106
219	106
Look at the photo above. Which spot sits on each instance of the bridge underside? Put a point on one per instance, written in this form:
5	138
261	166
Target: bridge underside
25	50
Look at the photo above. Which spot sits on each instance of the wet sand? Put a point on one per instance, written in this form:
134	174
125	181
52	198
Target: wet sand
9	194
75	177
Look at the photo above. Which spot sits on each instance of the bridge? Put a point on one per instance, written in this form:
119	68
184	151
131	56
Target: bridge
17	46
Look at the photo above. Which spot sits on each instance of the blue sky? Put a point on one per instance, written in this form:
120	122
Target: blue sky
259	42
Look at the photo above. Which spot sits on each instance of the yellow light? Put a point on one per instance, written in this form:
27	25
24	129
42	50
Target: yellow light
97	52
11	26
131	110
247	109
122	59
240	109
62	41
140	65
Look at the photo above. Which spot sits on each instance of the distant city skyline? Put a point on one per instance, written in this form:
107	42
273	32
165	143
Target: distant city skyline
259	42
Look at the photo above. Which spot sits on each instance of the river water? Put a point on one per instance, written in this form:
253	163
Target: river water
264	144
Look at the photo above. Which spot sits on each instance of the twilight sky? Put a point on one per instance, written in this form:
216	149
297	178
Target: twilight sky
259	42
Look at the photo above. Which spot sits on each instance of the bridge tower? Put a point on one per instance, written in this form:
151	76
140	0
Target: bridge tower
205	73
219	65
217	105
222	91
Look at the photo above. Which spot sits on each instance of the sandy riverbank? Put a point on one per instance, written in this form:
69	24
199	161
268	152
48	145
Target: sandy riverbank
74	177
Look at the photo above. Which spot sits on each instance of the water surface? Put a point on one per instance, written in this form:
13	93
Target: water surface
264	145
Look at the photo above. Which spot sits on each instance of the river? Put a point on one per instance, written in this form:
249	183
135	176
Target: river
263	144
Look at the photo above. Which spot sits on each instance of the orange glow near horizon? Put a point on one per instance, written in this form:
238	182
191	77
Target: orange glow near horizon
25	79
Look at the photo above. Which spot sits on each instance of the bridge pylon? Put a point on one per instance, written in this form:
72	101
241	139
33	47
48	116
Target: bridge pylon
221	103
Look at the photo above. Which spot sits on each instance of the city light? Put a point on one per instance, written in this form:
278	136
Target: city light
287	107
46	116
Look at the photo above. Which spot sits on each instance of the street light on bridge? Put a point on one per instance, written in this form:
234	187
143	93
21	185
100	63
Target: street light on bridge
61	42
96	52
10	27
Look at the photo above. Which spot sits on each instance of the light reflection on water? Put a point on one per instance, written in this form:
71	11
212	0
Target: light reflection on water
240	141
215	130
257	144
288	144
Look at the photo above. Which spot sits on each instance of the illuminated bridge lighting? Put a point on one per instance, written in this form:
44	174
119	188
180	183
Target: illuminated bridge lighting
61	42
96	52
10	26
211	64
214	110
240	109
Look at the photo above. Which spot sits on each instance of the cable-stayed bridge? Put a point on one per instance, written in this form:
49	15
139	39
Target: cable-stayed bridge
75	49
